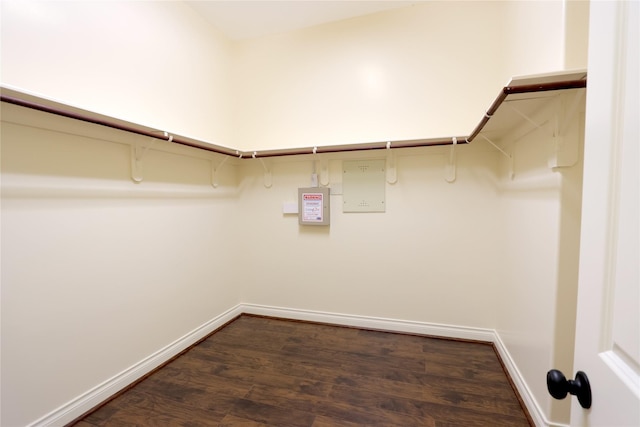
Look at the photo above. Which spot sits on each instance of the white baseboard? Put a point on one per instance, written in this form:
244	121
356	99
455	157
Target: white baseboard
85	402
532	405
370	322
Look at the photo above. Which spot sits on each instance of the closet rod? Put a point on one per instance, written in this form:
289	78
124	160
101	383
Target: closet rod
408	143
515	90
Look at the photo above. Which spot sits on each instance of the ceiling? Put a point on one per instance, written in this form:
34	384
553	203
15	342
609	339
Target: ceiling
241	20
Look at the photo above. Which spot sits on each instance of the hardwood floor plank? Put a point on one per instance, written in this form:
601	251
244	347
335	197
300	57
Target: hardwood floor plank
102	414
322	421
422	379
347	358
327	406
256	376
233	421
284	364
193	408
266	372
270	414
491	400
182	373
422	409
467	371
180	413
145	418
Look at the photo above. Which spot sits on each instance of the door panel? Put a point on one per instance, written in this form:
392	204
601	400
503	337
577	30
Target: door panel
608	319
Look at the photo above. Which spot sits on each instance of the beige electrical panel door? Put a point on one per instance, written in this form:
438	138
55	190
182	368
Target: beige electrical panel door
363	186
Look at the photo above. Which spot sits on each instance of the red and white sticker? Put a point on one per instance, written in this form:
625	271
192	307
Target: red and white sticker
312	207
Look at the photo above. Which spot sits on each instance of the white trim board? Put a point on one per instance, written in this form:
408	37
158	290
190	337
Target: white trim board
530	402
85	402
370	322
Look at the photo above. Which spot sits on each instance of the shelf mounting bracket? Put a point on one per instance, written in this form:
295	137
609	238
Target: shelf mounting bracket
267	178
565	149
324	172
215	170
504	153
450	169
137	154
537	125
392	172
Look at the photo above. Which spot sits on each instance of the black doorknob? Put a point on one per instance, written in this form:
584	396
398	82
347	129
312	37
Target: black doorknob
559	386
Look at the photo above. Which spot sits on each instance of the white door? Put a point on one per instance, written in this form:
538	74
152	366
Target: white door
608	320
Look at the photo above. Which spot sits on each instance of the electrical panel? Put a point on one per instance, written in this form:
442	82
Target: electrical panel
313	206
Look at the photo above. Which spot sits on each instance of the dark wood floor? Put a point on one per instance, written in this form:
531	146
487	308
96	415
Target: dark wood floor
269	372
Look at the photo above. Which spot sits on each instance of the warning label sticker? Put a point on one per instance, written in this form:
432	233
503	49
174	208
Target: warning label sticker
312	208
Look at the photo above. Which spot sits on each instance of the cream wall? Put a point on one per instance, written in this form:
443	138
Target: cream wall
157	63
424	71
433	249
576	34
533	37
99	273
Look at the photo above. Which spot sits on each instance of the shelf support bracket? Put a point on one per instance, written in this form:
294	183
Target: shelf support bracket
450	169
323	176
539	126
137	155
504	153
392	172
215	170
137	152
324	172
572	111
267	178
565	150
